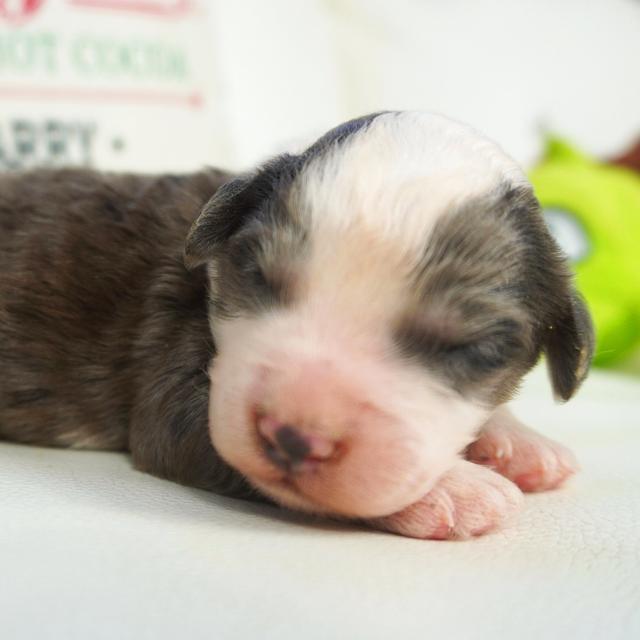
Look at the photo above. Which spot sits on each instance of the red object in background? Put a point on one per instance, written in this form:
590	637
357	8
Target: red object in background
18	10
193	100
630	158
156	7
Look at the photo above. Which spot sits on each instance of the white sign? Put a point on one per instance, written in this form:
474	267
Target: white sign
116	84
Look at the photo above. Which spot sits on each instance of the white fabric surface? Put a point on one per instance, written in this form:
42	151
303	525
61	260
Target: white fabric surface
90	549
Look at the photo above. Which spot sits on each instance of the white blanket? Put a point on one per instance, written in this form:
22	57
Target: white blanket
91	549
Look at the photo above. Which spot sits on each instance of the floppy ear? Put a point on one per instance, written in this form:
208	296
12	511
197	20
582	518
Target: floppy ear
569	344
230	208
566	332
218	220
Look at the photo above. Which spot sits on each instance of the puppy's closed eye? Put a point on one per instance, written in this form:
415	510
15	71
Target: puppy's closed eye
245	257
258	268
490	349
450	347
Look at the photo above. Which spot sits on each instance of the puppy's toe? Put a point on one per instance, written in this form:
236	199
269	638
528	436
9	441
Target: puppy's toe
532	461
467	501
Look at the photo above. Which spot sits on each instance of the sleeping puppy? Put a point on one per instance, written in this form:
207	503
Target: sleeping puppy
337	331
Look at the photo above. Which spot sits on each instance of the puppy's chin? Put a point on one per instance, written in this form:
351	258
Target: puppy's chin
319	497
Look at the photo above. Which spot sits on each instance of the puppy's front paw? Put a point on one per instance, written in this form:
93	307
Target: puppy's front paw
533	462
468	500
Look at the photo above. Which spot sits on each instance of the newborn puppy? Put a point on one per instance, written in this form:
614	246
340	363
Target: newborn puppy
342	340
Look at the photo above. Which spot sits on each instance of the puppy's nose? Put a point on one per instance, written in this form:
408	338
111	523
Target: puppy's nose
289	447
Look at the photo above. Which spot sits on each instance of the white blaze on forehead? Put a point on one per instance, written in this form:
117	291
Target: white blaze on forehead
396	176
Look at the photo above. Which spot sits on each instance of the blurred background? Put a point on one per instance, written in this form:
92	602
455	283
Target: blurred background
171	85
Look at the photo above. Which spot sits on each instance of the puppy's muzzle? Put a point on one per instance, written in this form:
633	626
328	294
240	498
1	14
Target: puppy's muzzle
316	438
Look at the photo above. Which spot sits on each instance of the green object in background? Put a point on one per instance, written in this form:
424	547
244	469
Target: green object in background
593	210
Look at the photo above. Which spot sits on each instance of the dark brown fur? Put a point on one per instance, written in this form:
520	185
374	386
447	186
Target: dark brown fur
104	339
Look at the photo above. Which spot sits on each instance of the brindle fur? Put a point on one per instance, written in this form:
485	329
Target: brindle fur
104	339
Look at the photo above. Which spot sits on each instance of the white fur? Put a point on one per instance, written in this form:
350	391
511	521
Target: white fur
398	175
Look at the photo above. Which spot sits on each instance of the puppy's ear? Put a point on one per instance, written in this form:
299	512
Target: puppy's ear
569	343
565	330
218	220
232	206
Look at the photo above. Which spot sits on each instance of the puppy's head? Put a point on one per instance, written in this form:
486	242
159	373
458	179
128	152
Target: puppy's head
372	300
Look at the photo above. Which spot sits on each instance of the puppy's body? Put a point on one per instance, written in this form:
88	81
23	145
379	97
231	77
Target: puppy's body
373	301
104	339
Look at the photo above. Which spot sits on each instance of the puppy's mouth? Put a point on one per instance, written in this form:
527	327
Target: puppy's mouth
295	477
291	461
